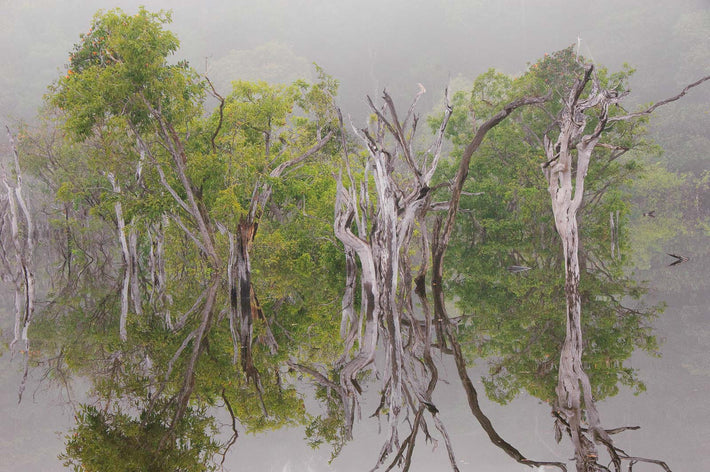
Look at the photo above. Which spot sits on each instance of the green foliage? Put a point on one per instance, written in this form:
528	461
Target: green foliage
124	107
116	440
126	110
329	427
120	69
516	320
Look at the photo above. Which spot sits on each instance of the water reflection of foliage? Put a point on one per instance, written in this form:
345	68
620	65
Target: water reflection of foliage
515	319
141	437
182	365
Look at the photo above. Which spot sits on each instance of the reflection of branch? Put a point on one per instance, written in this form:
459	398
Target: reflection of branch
616	453
189	375
408	444
618	430
634	460
319	378
235	433
23	260
471	394
483	420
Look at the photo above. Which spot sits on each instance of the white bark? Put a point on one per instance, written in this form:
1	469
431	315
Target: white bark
566	168
384	230
23	243
14	231
135	268
160	298
127	271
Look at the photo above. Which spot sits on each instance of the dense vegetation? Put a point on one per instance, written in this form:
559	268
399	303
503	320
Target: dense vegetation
200	263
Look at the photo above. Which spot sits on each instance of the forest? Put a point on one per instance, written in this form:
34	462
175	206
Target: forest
198	252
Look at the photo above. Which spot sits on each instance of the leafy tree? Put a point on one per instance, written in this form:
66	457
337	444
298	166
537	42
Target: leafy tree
186	192
508	252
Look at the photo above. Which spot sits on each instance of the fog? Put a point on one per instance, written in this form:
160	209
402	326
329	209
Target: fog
371	45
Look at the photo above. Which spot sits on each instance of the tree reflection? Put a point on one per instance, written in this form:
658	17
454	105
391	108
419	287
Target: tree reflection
504	228
156	302
168	303
115	439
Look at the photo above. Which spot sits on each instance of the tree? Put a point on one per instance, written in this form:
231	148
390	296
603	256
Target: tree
186	194
508	263
378	226
18	245
586	115
379	232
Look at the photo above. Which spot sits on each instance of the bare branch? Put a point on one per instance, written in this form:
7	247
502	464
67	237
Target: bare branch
221	113
651	109
297	160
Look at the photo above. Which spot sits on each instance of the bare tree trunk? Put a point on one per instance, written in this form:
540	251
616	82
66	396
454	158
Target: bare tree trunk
244	303
369	306
349	322
17	278
248	308
566	187
127	259
24	254
384	232
565	170
135	267
160	297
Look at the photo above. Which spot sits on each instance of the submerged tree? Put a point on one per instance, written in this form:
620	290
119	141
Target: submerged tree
585	118
17	252
165	308
166	287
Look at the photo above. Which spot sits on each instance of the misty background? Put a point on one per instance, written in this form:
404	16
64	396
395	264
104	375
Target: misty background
369	45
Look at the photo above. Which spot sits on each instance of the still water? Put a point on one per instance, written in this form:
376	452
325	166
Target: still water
673	413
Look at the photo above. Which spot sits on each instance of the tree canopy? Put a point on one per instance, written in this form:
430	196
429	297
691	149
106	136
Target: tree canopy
213	257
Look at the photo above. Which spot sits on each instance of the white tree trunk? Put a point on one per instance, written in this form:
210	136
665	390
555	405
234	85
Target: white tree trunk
384	231
127	270
23	243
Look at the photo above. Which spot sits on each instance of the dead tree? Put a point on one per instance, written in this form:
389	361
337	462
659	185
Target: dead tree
580	126
22	242
380	233
377	225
